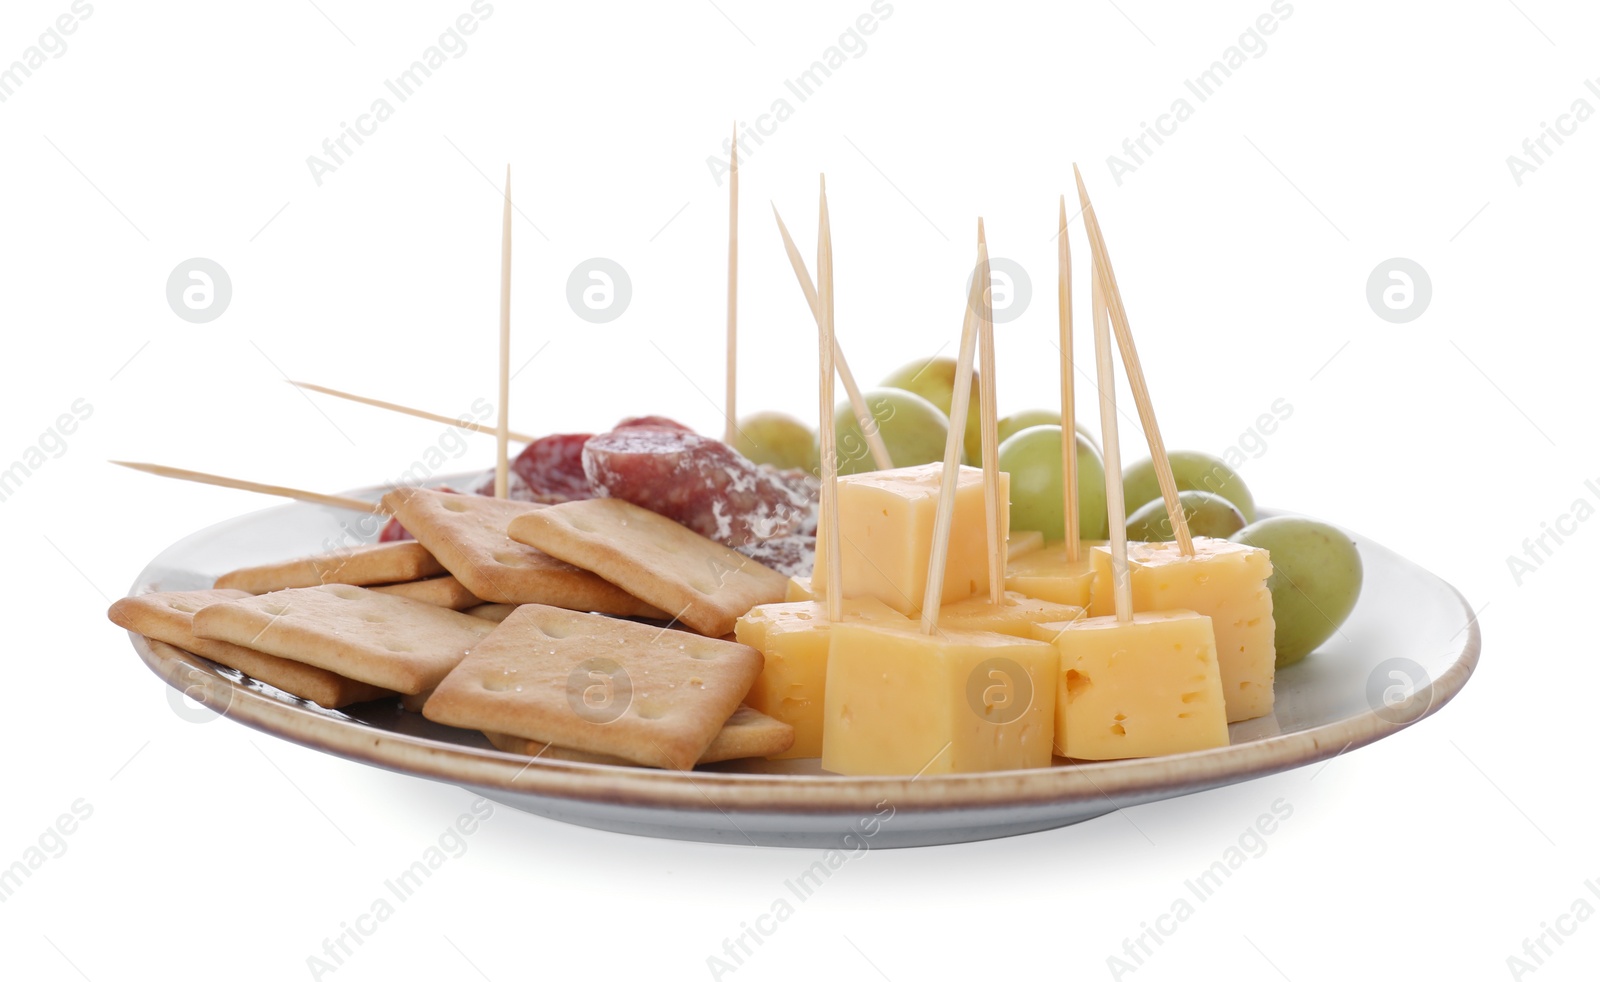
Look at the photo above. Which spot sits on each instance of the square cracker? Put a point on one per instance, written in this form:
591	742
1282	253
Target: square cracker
747	733
441	591
467	532
378	562
703	583
169	618
598	684
400	644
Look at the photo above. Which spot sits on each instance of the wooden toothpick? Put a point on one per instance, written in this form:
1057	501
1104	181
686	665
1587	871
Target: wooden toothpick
395	407
1116	509
1069	408
277	491
502	470
988	424
1107	278
732	409
944	514
858	405
834	575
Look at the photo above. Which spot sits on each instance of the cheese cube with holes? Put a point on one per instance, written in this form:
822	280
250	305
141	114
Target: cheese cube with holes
1015	615
900	702
1226	581
1047	574
793	637
1141	689
886	535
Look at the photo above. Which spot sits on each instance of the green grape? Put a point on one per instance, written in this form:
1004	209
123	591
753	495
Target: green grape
1010	426
913	430
1207	514
1033	459
934	380
1191	471
777	439
1316	578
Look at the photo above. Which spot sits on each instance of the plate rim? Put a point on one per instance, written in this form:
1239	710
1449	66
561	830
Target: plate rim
801	794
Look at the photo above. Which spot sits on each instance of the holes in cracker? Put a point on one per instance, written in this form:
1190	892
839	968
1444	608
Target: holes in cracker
451	504
182	606
398	647
372	618
556	631
510	559
702	654
274	610
580	523
649	710
503	682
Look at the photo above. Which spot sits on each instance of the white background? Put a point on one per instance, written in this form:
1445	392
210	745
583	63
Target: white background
1365	131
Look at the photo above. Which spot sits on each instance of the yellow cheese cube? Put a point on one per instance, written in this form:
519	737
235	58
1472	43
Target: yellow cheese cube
1141	689
1022	543
886	535
793	639
799	589
1047	575
752	628
901	702
1226	581
1016	615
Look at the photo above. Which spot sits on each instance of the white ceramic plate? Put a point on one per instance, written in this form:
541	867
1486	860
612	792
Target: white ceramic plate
1408	648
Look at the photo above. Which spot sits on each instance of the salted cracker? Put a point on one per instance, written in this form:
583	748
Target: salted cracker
702	583
747	733
467	533
169	618
441	591
600	685
363	565
400	644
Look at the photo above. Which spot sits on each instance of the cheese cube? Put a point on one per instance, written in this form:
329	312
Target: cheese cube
902	702
793	639
1016	615
1226	581
1141	689
886	535
799	589
1047	575
1021	543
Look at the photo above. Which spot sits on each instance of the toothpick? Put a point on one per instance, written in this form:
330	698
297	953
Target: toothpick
1116	509
834	575
988	424
944	514
1069	407
277	491
395	407
732	411
502	469
858	405
1107	278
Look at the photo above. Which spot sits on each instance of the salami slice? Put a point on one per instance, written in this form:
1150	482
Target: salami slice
703	484
662	421
552	469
